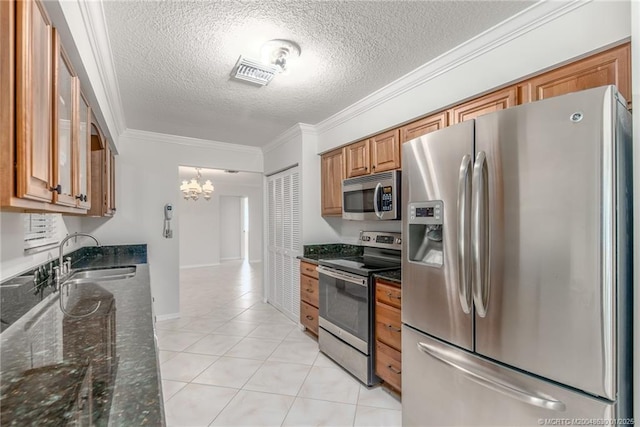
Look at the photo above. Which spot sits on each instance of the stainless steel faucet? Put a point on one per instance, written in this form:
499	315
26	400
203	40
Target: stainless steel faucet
61	264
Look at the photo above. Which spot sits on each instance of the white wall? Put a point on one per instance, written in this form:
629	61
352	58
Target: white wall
230	227
147	179
202	226
13	261
199	235
298	146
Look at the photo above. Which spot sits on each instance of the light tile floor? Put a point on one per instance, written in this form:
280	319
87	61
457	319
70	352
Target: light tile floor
232	360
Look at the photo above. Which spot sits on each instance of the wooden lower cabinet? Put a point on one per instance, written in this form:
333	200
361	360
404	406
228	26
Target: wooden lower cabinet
309	298
309	317
389	365
388	333
388	325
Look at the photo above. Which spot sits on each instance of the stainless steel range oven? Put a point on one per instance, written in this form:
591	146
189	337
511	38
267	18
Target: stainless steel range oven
347	302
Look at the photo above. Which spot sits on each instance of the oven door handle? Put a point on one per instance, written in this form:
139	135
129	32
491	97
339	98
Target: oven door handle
341	275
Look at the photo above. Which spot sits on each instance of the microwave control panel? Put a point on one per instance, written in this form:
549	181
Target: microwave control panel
386	199
429	213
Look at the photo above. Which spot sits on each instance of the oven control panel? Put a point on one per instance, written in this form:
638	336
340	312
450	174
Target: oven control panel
378	239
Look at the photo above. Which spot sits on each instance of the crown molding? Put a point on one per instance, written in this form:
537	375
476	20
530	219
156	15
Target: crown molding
154	137
299	129
98	36
512	28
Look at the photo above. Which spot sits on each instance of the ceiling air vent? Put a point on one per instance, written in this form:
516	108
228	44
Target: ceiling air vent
254	71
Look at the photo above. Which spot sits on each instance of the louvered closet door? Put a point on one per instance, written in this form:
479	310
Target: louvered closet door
284	242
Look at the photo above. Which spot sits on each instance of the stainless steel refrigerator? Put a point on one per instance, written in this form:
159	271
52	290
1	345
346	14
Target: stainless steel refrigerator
517	270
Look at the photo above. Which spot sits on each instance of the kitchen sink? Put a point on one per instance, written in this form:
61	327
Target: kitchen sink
101	274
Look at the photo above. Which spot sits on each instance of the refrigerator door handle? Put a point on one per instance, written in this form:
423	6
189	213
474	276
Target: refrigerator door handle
485	379
376	195
480	235
464	221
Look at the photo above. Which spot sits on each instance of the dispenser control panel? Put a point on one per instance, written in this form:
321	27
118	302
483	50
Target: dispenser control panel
426	212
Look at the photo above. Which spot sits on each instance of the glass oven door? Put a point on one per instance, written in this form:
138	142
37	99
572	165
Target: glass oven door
344	306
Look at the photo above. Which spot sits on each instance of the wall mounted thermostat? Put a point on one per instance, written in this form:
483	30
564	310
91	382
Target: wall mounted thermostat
167	232
168	211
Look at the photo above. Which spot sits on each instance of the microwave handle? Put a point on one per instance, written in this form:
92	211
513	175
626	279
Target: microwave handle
376	194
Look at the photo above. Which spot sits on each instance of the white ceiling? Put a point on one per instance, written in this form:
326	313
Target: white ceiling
173	58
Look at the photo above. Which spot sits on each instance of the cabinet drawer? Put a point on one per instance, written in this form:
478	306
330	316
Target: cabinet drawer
388	325
388	294
309	317
308	269
389	365
309	290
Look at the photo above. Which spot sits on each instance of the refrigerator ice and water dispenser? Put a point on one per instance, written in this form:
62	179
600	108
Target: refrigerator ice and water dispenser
425	233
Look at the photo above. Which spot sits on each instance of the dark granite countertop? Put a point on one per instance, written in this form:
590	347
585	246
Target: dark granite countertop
391	275
312	253
46	354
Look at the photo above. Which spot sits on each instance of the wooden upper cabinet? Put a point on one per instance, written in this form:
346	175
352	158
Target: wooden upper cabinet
65	125
82	184
358	159
385	151
111	182
34	152
611	67
7	99
424	126
102	174
494	101
331	176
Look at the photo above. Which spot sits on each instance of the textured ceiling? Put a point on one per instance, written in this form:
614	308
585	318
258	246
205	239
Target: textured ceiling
173	58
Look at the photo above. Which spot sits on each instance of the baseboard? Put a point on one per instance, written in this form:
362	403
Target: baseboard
167	317
230	259
186	267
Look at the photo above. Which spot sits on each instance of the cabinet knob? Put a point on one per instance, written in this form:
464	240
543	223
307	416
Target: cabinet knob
309	317
57	189
82	197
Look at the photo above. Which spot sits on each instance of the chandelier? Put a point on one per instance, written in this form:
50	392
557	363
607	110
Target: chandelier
191	190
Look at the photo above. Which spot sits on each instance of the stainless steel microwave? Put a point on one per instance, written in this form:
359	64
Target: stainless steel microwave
372	197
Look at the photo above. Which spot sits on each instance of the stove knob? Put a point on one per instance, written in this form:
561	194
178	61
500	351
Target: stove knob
398	240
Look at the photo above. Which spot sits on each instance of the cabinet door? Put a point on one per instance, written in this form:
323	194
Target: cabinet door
108	180
65	95
385	151
7	99
112	183
423	126
358	160
494	101
33	102
83	175
331	176
606	68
